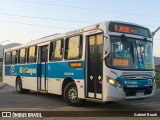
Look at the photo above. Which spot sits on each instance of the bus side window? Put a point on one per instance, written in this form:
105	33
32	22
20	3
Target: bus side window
8	58
73	48
56	50
14	57
32	54
22	55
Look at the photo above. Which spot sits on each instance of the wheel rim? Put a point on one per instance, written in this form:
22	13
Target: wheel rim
72	94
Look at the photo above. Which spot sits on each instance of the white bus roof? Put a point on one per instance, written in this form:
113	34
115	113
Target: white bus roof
63	35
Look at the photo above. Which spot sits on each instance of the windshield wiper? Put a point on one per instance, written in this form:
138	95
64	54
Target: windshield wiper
141	52
125	41
132	51
128	44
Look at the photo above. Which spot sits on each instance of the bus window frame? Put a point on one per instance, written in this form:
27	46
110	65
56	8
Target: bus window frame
10	58
51	42
67	38
16	56
27	54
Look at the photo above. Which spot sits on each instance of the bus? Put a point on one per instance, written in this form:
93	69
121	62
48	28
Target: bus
108	61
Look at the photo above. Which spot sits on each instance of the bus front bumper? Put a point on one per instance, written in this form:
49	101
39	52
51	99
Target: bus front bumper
114	94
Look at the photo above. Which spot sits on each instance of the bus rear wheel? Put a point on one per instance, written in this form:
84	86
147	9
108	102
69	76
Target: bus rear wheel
19	88
71	95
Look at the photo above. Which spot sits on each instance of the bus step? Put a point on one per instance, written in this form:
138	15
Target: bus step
94	100
43	91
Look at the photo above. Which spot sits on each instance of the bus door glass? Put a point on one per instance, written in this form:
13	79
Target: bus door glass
43	65
94	66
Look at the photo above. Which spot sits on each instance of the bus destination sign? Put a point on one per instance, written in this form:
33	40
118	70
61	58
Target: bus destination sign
124	29
129	29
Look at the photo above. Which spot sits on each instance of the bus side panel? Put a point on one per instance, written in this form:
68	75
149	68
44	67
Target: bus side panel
8	75
54	85
80	87
28	74
10	80
58	71
31	83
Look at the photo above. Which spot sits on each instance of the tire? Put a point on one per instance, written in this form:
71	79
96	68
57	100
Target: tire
70	95
19	88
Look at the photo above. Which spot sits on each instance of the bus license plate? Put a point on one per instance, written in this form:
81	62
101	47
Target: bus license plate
139	94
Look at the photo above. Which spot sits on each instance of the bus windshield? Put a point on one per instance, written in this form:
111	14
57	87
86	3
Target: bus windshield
130	53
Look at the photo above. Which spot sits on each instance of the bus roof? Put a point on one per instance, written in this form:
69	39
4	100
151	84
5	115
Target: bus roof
66	34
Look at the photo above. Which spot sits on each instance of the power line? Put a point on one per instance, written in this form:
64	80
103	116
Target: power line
40	25
84	8
44	26
54	19
34	24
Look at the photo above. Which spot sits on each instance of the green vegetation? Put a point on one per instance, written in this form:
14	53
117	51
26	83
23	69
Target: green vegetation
158	79
158	84
0	78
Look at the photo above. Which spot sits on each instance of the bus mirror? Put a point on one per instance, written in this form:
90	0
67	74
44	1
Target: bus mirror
106	36
106	54
107	46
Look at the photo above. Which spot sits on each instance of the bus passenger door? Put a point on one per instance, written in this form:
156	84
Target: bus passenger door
94	65
42	67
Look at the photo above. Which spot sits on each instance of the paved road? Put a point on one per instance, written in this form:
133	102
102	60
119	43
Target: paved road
10	100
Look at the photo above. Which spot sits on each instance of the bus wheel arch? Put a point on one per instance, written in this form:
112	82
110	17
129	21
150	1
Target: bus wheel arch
70	92
66	81
19	86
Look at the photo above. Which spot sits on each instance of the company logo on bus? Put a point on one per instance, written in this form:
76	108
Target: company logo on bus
130	82
28	70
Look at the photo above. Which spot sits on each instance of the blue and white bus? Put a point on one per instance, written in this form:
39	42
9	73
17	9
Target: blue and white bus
108	61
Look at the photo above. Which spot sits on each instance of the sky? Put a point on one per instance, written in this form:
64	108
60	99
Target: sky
22	21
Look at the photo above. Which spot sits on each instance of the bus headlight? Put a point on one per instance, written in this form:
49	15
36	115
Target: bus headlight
112	81
115	83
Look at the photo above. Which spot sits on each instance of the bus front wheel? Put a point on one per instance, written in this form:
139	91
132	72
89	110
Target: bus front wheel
19	88
71	95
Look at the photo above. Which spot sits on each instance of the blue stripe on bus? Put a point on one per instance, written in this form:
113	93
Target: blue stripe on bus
54	70
138	83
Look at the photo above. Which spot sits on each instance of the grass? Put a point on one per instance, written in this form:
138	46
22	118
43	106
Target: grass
0	78
158	79
158	84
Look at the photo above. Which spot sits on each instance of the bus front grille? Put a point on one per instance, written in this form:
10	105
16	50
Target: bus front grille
137	75
134	91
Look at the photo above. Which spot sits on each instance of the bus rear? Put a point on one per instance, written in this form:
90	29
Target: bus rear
129	62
